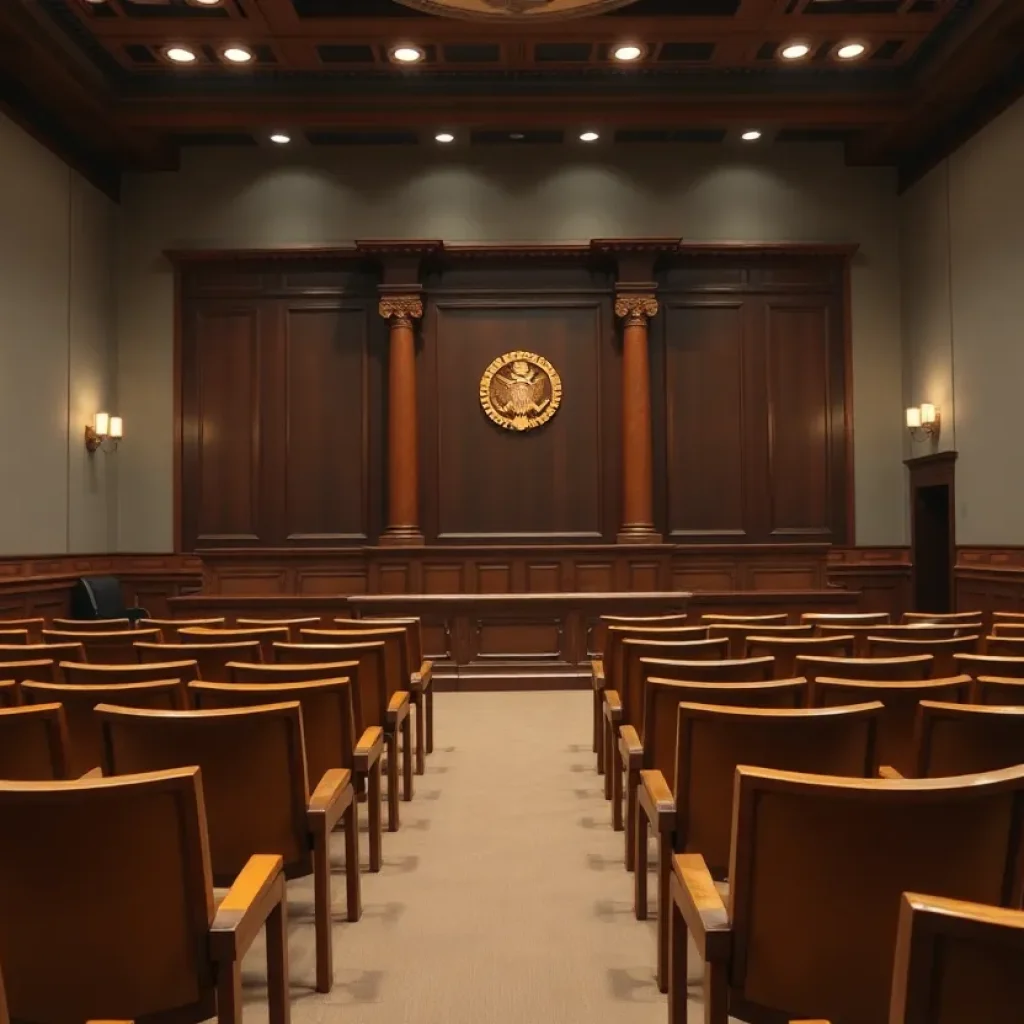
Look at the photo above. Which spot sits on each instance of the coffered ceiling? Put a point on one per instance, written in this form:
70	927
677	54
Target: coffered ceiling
97	78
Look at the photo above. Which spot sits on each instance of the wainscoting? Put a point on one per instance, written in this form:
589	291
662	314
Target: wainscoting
989	579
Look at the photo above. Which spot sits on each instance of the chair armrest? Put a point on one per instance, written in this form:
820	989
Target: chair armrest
597	673
92	773
331	797
701	906
242	913
886	771
368	749
421	680
398	707
612	706
631	748
657	800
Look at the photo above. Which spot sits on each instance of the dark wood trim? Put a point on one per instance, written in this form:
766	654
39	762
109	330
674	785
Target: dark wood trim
934	470
178	426
850	394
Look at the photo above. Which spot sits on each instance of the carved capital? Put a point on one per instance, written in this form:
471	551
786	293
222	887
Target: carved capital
401	309
636	310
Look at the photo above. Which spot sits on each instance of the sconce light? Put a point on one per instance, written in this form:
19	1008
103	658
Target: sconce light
923	421
106	433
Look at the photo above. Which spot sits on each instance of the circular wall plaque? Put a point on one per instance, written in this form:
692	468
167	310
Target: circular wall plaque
515	10
520	391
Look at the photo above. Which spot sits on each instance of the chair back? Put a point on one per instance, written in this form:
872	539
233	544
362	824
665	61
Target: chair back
413	634
253	767
956	961
9	637
818	867
942	650
34	626
106	899
614	635
738	632
712	740
291	673
998	690
211	658
912	666
87	674
293	625
846	618
1008	629
366	666
396	652
1007	646
975	665
38	652
1008	616
266	636
99	597
599	631
109	647
785	649
33	743
91	625
965	739
85	738
939	618
170	627
780	619
728	670
10	693
14	673
328	721
897	724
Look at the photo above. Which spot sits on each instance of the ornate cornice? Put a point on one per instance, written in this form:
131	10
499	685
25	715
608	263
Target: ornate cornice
401	309
636	310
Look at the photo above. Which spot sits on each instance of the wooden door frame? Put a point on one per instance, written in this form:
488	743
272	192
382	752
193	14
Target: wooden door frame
936	470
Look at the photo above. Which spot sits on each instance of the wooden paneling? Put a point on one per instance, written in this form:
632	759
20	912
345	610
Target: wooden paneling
881	576
989	579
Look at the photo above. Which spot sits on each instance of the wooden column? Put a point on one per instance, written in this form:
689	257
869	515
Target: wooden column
635	309
403	524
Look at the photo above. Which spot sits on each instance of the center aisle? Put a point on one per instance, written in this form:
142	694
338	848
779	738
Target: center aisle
502	899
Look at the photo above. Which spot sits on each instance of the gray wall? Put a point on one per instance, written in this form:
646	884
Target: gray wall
57	352
962	239
234	199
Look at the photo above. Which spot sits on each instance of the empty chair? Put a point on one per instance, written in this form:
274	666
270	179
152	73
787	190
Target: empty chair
85	736
1007	617
699	747
845	618
112	648
10	694
912	666
1008	646
897	723
107	908
293	625
101	597
91	625
817	869
266	635
212	658
942	617
257	798
9	637
738	633
151	672
286	672
785	649
996	690
726	670
34	627
781	619
975	665
1008	628
169	627
14	673
33	743
965	739
941	650
328	729
39	652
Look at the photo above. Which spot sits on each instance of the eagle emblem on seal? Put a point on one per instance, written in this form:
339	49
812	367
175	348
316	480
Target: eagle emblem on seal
520	391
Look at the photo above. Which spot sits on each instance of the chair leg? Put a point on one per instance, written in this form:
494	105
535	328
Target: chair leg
617	770
373	800
609	759
597	721
392	745
716	993
229	993
278	1001
677	995
353	894
640	867
407	758
419	702
430	717
664	906
322	912
632	785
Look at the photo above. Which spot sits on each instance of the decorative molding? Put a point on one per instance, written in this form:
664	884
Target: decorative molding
636	309
401	310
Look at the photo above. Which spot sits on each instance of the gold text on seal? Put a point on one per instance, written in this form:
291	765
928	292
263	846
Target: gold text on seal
520	391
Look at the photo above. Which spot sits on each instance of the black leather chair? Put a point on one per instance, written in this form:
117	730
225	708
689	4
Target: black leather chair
100	597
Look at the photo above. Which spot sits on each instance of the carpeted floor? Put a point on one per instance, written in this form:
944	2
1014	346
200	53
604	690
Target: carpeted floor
502	899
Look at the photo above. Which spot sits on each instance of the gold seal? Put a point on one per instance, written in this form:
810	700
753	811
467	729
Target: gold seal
520	391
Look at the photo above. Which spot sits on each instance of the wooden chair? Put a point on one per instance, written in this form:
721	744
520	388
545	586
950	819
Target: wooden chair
699	747
941	650
996	690
373	702
91	625
913	666
152	672
975	665
781	619
169	627
85	735
10	695
1008	629
25	653
738	633
965	739
897	723
841	619
817	869
34	627
253	765
14	673
289	672
421	679
293	625
267	636
921	631
1007	646
726	670
9	637
785	649
109	911
212	658
942	617
111	648
328	726
33	743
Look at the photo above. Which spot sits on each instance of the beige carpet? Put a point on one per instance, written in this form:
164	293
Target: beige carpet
502	899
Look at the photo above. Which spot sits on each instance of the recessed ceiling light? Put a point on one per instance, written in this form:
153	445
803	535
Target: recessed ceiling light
628	51
752	136
204	3
794	51
238	54
444	137
280	138
180	54
407	54
589	137
850	51
517	136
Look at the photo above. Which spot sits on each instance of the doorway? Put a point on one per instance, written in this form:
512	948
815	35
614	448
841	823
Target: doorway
933	532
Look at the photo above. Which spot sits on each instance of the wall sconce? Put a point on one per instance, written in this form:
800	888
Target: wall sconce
923	421
106	433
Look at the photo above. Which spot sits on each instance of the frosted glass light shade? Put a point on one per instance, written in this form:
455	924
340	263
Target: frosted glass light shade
927	414
913	418
116	428
101	423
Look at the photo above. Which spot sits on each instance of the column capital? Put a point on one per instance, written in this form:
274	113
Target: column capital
636	308
401	308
